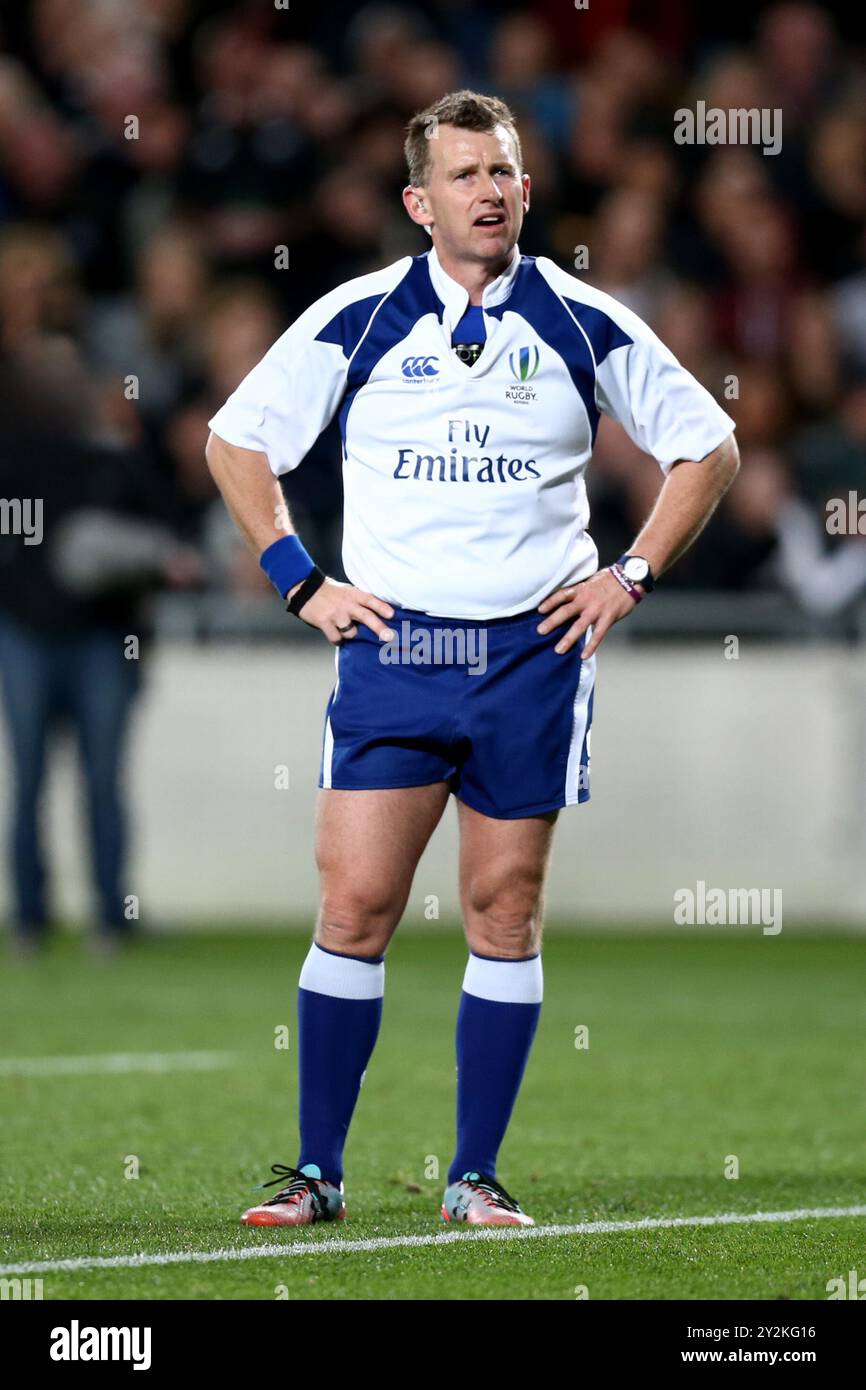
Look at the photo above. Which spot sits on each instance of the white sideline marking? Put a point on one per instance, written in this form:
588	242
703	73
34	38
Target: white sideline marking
334	1247
115	1062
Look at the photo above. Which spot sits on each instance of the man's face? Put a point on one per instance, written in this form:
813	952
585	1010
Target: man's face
475	195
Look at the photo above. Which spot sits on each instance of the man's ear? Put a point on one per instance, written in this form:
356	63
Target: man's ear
415	204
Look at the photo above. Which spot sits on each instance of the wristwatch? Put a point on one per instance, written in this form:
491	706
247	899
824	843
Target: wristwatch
637	571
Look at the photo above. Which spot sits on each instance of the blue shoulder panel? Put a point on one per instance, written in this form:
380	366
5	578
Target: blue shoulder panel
409	301
534	299
347	327
600	329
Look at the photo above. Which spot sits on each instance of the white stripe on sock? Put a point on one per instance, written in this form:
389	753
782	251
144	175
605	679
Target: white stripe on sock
342	976
505	981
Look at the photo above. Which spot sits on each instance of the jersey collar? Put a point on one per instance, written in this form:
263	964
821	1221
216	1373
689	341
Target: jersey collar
456	298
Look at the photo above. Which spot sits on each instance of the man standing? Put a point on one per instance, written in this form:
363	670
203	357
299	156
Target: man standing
468	383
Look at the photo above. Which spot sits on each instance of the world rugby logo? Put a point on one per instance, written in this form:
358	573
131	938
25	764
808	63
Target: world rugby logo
524	363
414	368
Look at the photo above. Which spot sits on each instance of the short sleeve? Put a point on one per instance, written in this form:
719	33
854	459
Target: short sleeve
284	403
661	406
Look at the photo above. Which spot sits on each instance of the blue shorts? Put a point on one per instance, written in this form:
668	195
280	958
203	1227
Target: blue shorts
488	707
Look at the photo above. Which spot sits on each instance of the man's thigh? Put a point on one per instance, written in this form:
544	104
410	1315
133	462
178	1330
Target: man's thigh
527	719
503	867
368	844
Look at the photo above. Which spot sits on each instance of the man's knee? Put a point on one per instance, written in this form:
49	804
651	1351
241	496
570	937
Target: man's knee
503	910
357	920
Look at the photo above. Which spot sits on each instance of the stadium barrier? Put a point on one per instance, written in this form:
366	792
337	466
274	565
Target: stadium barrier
735	773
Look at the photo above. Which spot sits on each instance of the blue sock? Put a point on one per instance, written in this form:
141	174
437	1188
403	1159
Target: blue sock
499	1010
339	1012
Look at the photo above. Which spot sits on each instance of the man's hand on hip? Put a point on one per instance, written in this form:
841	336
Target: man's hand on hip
598	602
337	608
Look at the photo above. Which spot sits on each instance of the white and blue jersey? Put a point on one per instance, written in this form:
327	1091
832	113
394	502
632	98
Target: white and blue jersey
464	498
464	489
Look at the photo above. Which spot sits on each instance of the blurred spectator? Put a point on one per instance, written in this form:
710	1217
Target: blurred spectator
684	321
813	354
798	50
761	406
830	456
74	566
823	570
37	285
625	259
523	72
150	332
848	300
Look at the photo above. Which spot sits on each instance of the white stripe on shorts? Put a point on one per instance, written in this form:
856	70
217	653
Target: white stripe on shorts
328	751
578	730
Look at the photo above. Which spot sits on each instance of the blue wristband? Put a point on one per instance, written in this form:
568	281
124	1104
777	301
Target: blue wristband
286	563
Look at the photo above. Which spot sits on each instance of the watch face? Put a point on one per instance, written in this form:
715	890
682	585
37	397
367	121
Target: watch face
636	569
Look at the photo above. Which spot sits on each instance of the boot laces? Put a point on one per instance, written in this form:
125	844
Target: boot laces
299	1183
494	1193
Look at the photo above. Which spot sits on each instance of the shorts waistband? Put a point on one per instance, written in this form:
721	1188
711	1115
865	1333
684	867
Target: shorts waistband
429	620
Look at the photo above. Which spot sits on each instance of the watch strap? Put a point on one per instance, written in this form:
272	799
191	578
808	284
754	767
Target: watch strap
622	579
648	583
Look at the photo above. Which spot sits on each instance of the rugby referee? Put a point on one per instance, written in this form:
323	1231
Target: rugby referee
468	383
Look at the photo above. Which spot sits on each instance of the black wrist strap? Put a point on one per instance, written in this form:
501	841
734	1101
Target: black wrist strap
311	585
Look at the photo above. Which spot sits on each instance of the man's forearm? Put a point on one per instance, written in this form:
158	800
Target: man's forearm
250	491
690	495
255	501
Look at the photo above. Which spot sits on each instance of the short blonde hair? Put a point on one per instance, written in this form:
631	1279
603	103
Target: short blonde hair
466	110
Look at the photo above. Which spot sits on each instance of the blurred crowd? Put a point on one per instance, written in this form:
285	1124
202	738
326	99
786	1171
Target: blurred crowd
153	155
180	178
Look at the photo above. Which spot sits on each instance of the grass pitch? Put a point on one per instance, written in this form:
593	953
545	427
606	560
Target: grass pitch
703	1050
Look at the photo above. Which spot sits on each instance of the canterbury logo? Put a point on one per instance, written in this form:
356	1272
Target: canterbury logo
419	366
524	363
